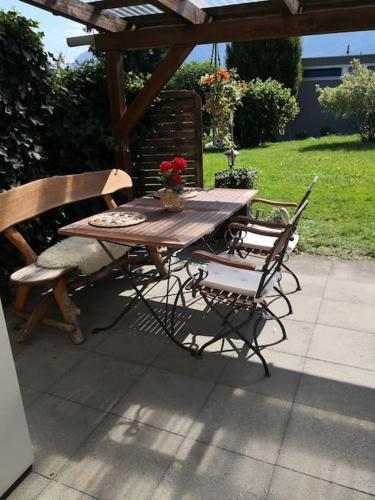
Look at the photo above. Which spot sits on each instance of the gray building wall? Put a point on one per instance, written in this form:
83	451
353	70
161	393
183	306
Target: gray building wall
312	119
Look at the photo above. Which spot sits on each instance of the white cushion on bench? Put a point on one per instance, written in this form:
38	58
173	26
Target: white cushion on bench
84	253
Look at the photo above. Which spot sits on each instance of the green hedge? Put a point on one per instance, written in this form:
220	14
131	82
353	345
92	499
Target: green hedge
53	122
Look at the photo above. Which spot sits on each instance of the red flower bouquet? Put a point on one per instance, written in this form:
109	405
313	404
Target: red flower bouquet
171	174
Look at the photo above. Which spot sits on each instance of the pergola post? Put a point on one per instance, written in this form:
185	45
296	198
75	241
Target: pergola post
116	94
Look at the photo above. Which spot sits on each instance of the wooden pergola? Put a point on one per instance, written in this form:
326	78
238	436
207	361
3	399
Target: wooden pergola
182	24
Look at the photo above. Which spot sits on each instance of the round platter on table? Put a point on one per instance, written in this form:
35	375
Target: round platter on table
117	219
189	193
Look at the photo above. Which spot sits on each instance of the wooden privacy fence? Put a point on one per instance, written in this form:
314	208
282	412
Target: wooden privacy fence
176	131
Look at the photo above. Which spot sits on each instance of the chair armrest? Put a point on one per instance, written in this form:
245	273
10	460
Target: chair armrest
249	229
265	223
227	261
275	203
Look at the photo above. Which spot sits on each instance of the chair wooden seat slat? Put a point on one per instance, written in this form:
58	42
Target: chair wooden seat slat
34	275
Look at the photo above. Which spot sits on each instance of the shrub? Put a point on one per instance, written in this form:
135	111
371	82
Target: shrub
266	109
354	98
236	178
279	59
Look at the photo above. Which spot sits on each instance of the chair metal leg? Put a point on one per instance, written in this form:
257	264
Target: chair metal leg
282	294
264	305
298	288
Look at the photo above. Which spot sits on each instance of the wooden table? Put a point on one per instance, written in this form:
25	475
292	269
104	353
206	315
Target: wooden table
170	229
174	230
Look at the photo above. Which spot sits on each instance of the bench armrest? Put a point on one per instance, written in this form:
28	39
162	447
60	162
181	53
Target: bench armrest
227	261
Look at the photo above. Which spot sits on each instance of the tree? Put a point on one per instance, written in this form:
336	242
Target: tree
354	98
266	109
279	59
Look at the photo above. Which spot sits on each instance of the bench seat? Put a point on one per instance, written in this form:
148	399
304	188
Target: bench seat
34	275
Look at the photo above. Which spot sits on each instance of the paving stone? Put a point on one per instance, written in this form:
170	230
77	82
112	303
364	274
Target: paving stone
176	360
350	291
205	472
299	336
43	363
57	491
305	308
350	270
331	447
57	428
350	315
98	381
136	347
121	459
343	346
311	284
342	389
164	399
287	484
30	488
310	264
248	375
28	395
236	420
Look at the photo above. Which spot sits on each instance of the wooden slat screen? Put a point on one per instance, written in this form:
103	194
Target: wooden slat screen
176	131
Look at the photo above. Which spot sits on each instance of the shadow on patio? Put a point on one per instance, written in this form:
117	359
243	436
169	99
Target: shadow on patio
130	415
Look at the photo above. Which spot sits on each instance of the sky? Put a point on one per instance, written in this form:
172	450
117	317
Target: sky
56	29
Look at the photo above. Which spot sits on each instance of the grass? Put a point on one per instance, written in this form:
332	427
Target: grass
340	219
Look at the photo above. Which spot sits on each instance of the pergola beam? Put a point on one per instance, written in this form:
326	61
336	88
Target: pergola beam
290	6
166	68
81	13
184	9
232	30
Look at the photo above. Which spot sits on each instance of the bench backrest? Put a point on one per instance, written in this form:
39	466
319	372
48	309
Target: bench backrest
32	199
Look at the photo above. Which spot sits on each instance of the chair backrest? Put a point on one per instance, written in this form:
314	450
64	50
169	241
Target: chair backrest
307	193
32	199
275	257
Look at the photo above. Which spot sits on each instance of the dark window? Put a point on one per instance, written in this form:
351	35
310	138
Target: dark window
321	72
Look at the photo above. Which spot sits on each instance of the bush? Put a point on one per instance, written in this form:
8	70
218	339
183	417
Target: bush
354	98
266	109
279	59
236	178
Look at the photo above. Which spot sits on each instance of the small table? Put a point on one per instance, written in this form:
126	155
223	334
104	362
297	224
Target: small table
174	230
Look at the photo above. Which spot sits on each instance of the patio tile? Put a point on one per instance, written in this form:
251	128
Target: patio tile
28	395
331	447
305	308
349	315
247	423
43	363
98	381
358	271
121	459
30	488
343	346
299	336
309	488
164	399
57	428
342	389
310	264
248	375
205	472
311	284
57	491
176	360
351	291
132	346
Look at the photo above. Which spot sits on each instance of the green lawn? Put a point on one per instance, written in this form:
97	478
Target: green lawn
340	219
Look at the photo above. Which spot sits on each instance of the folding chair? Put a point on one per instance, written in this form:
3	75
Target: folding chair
238	283
258	244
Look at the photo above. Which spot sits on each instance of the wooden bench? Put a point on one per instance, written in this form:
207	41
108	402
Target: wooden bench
30	200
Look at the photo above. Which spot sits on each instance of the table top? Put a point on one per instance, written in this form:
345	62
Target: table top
201	215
